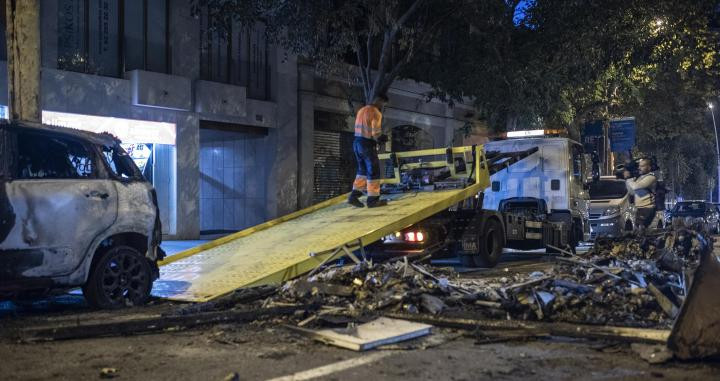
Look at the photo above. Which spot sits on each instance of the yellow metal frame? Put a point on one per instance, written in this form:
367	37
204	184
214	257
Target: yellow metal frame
244	233
464	151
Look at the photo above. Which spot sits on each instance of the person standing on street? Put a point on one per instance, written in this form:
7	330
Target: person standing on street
368	134
642	188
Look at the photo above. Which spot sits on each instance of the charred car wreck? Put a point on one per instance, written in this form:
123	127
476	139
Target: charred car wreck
75	211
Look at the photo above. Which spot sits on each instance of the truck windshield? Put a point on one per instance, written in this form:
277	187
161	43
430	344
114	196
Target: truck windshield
606	189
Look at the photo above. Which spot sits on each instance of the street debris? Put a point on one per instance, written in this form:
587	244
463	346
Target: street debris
653	354
113	327
634	288
108	373
631	288
378	332
623	282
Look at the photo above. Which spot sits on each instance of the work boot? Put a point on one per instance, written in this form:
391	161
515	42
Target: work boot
354	199
375	201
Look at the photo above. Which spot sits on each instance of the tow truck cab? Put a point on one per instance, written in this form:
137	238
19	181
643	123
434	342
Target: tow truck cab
550	185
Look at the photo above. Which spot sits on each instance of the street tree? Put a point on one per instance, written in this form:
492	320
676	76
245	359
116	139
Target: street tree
380	39
560	64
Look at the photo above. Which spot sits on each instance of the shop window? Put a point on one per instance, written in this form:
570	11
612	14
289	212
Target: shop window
43	157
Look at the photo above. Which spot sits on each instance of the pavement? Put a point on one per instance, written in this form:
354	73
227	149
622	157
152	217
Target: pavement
173	247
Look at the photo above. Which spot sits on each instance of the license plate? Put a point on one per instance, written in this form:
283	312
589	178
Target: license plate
469	246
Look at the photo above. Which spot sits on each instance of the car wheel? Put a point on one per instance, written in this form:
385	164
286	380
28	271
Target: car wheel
120	277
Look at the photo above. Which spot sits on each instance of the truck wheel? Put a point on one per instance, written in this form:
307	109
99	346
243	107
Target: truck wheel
577	237
120	277
490	247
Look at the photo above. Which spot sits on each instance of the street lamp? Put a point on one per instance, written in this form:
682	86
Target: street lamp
717	148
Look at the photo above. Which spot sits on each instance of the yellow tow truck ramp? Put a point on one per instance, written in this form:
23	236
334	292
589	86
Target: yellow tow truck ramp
289	246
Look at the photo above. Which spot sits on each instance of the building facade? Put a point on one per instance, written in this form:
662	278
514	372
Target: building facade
231	130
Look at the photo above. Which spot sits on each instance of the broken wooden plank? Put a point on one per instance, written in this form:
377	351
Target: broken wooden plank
149	325
665	303
381	331
556	329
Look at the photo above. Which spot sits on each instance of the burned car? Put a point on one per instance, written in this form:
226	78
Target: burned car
75	211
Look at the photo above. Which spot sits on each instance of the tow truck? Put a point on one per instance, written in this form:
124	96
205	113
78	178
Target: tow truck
537	199
435	197
467	230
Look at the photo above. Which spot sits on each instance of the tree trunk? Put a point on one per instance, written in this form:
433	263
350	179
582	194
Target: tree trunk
23	42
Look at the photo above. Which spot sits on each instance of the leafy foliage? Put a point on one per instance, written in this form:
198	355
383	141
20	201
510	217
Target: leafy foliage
382	36
567	62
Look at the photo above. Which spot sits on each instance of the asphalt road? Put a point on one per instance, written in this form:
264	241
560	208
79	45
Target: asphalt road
266	350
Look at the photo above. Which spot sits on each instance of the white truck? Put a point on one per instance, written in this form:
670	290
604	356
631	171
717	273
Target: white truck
549	185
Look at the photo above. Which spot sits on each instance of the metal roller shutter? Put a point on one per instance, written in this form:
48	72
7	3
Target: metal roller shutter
334	167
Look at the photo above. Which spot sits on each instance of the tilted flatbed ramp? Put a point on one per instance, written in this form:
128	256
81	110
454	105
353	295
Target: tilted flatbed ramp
292	245
282	249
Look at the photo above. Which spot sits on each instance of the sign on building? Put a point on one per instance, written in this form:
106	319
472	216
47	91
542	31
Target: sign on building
592	136
622	134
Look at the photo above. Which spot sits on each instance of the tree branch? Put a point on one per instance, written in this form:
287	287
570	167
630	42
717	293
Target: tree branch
368	67
382	66
363	74
413	8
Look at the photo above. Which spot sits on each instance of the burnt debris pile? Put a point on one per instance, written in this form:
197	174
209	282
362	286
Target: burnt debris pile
635	280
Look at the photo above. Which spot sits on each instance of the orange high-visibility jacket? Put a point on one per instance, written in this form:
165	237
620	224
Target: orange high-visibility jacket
367	122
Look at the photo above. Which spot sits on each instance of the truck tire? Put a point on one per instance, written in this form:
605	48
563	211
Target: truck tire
577	237
490	246
119	277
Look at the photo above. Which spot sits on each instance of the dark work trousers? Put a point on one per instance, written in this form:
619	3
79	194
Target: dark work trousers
368	170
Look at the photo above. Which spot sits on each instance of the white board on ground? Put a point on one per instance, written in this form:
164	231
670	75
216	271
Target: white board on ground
373	334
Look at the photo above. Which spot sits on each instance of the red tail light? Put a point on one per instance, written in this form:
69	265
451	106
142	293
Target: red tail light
414	236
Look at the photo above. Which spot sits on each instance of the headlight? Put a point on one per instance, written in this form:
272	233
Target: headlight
611	211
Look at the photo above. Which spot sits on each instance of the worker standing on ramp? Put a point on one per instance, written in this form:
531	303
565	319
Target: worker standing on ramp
368	133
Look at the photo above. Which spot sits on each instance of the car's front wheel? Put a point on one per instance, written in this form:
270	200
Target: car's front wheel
120	277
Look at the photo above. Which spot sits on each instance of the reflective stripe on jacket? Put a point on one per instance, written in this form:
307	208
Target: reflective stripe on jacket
367	122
